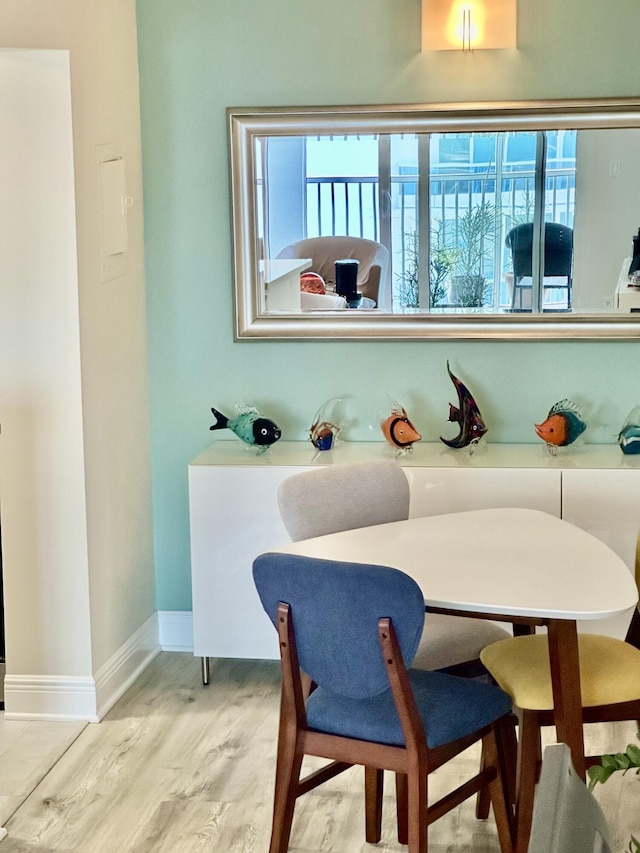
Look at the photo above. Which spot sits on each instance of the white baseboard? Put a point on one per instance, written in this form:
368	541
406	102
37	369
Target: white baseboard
122	668
175	630
50	697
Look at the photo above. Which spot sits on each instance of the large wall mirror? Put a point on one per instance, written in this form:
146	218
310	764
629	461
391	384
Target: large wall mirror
503	220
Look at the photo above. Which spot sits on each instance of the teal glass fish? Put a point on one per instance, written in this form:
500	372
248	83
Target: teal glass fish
563	425
466	414
629	435
250	427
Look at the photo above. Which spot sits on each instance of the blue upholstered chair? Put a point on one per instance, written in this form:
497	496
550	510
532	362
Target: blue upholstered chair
350	628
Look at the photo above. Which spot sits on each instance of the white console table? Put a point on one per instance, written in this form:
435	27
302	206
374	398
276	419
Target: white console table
234	514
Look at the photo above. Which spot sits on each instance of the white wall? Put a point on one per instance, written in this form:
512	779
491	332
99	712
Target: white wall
74	447
607	211
43	510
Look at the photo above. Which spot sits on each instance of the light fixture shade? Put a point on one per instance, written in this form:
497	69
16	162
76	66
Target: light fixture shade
469	24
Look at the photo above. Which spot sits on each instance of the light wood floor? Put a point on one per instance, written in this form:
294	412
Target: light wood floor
179	768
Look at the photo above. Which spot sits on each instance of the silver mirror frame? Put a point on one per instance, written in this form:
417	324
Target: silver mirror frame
251	320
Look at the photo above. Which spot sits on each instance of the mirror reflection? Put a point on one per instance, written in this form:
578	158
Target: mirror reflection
512	214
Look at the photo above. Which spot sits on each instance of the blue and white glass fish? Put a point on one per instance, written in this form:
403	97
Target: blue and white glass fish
629	435
250	427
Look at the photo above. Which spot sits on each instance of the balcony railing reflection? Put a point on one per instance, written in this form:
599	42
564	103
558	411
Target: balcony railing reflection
351	205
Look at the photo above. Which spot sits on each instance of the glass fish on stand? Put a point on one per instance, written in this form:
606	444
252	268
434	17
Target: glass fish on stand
563	425
249	426
467	415
324	430
398	429
629	435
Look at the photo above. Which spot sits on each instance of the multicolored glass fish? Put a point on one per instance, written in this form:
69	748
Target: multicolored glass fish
466	414
562	426
250	427
324	431
398	429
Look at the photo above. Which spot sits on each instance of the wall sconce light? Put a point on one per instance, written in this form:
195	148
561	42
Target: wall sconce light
469	24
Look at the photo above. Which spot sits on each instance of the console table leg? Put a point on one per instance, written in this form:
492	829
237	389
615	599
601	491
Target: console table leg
205	670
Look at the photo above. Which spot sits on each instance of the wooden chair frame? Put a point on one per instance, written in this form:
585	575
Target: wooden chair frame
412	763
529	752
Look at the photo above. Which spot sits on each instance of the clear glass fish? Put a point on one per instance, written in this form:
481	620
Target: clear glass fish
325	428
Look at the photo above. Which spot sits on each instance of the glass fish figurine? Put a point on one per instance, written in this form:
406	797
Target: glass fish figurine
629	435
563	425
324	430
467	415
249	426
398	429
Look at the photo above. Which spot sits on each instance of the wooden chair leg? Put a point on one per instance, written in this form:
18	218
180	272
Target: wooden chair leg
528	756
402	806
288	765
417	810
483	798
508	747
497	752
373	787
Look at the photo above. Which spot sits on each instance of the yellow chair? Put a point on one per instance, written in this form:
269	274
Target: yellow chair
610	688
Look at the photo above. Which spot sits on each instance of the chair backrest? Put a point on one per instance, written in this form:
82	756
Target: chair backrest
343	497
325	251
558	249
335	608
566	816
633	632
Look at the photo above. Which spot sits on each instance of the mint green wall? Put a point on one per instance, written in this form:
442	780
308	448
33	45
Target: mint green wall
198	57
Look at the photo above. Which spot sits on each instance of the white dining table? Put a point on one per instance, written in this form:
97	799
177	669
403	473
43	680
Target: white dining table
515	565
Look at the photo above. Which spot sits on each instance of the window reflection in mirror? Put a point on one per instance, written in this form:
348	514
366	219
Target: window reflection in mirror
472	222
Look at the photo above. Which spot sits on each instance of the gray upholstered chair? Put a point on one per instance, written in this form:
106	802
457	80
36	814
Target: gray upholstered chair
361	494
325	251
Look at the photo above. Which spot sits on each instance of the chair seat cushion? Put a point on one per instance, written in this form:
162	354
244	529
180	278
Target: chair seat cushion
609	670
450	708
450	640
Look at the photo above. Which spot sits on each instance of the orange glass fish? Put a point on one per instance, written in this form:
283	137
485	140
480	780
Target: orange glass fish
398	429
563	425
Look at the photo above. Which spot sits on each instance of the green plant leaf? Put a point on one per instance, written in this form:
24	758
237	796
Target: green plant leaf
609	762
633	752
598	773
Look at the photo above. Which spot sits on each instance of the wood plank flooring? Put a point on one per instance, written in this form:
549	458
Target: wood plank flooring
176	767
28	750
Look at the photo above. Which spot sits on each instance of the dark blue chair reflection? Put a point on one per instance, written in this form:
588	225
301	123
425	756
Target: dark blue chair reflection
558	264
